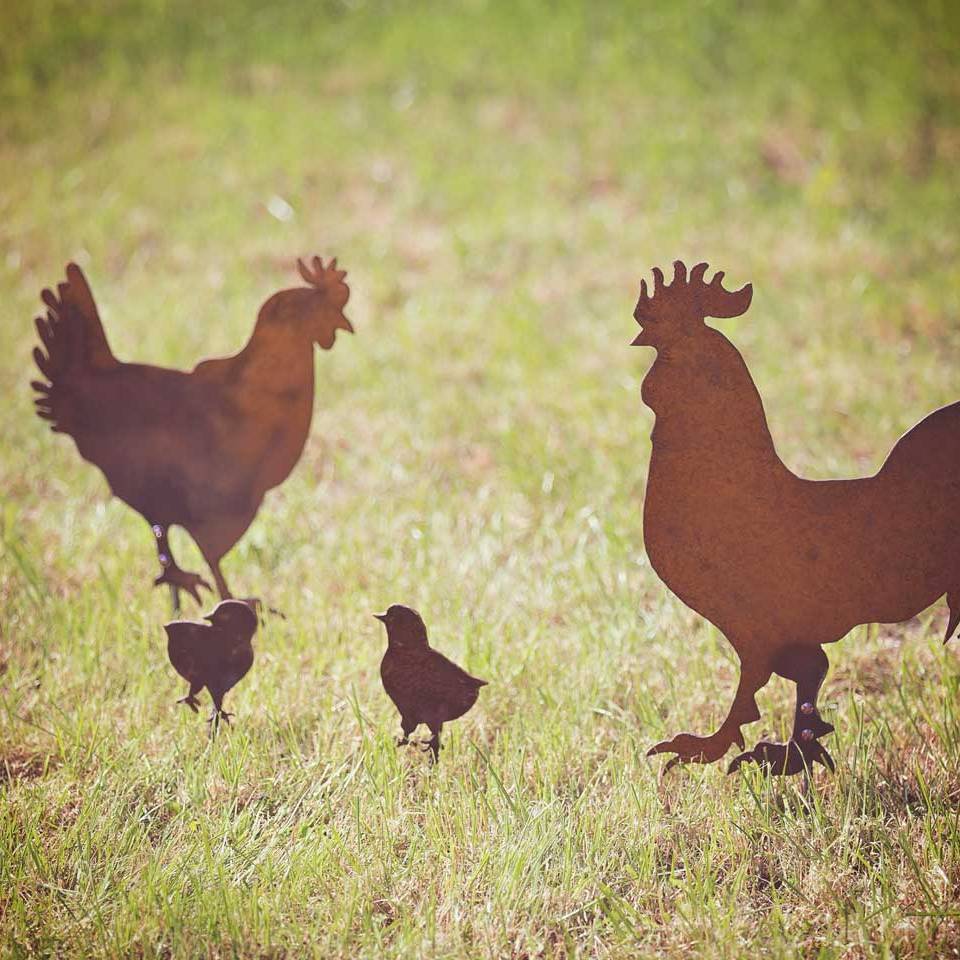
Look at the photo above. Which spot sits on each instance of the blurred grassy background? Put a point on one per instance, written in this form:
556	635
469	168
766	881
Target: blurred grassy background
496	177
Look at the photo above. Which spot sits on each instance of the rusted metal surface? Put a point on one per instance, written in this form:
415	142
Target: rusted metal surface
781	565
197	449
424	685
217	654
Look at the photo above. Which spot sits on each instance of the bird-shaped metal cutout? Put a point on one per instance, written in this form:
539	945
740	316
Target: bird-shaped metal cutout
424	685
197	449
781	565
217	654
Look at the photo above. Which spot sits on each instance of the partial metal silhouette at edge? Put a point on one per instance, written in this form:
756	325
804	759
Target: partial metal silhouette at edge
779	564
197	449
423	684
217	654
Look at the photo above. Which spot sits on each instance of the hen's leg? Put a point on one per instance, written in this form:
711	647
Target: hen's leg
693	749
224	591
171	574
806	666
218	579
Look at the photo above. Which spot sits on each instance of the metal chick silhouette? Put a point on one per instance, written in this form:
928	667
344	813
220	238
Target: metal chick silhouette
779	564
216	655
197	449
423	684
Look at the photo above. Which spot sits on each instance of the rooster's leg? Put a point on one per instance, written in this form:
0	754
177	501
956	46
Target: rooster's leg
806	666
171	574
690	748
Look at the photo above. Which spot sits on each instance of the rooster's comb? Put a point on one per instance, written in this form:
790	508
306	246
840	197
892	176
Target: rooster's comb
692	294
318	275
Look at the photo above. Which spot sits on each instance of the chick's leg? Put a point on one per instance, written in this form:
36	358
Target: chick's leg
689	748
191	698
433	744
407	726
807	667
171	574
218	713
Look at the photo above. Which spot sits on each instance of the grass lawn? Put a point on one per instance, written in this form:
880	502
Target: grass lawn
496	177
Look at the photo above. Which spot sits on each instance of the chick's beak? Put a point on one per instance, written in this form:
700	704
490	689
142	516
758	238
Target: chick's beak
382	617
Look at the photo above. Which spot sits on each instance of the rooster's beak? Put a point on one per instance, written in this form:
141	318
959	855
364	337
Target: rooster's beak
345	325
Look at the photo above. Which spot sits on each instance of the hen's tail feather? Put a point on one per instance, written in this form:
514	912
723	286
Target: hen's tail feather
74	344
953	604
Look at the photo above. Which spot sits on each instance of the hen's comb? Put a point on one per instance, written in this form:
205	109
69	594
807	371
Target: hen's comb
320	275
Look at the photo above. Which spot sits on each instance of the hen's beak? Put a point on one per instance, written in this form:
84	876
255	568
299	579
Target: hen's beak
640	340
382	617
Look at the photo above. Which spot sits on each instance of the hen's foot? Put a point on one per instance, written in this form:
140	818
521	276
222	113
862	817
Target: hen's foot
785	759
192	702
182	580
690	748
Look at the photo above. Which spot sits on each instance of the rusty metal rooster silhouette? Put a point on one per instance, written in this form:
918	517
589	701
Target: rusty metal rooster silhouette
197	449
779	564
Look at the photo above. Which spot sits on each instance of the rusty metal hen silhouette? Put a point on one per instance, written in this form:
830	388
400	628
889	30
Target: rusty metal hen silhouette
197	449
781	565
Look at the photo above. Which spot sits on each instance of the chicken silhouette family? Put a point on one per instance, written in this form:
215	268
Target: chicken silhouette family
779	564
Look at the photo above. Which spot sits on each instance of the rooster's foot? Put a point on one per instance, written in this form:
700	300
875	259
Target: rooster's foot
182	580
690	748
785	759
192	702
